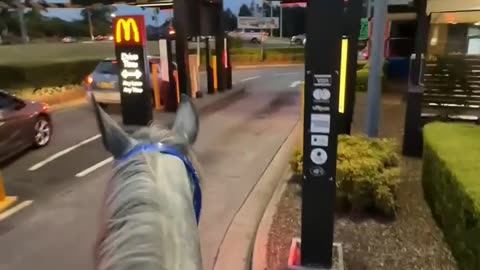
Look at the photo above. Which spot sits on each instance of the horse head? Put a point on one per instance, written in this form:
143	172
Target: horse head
152	203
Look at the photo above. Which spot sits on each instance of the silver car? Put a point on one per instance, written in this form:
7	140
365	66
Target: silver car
103	81
297	40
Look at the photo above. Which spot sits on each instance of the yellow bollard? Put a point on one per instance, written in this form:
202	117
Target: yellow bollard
175	75
5	201
214	71
156	87
302	111
193	67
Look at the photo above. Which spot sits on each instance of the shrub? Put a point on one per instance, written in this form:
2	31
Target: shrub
362	76
235	42
367	174
52	74
45	75
450	182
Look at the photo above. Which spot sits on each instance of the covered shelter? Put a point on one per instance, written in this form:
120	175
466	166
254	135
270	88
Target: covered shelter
454	27
191	18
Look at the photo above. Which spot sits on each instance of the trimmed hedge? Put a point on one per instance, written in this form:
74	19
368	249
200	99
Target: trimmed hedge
362	76
450	178
367	174
46	75
50	74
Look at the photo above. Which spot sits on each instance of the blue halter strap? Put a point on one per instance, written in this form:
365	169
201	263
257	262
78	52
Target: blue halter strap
169	150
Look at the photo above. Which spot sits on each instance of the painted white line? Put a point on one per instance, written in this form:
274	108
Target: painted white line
14	209
295	83
250	78
94	167
63	152
286	73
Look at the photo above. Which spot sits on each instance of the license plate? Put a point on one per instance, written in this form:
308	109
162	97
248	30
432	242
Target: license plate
105	85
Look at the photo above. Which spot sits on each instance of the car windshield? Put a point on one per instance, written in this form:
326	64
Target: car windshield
106	67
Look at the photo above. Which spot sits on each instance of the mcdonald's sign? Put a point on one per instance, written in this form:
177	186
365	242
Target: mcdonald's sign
129	30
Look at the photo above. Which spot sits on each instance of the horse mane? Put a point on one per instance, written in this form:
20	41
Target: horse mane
129	213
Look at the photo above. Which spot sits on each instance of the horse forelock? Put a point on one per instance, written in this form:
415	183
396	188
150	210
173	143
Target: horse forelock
131	214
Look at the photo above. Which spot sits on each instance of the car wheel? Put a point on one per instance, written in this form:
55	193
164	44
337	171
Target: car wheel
254	40
43	132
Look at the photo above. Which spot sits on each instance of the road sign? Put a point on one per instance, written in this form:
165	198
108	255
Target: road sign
134	84
363	28
320	130
257	22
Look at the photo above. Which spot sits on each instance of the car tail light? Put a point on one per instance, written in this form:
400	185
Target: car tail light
88	80
171	31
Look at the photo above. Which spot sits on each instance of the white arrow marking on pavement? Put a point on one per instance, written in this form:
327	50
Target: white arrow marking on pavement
250	78
295	83
63	152
14	209
137	74
94	167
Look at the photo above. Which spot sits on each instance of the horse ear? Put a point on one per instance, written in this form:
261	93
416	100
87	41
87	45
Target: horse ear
186	121
115	139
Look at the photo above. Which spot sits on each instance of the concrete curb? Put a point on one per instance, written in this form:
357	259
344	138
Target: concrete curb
267	66
218	100
259	252
236	248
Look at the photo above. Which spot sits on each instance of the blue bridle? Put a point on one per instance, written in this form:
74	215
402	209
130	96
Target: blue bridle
170	150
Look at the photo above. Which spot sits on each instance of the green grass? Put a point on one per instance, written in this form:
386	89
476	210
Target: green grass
451	166
60	52
41	53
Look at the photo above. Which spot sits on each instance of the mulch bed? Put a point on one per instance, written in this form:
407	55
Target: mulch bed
411	241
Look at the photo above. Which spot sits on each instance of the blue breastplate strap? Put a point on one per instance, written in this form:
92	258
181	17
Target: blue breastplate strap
169	150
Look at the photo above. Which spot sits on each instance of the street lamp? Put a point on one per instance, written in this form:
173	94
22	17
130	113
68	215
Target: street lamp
113	15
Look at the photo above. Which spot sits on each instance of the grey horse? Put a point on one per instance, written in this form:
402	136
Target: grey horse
150	212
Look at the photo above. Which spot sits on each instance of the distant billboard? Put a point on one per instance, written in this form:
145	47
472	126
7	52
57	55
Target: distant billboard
257	22
400	2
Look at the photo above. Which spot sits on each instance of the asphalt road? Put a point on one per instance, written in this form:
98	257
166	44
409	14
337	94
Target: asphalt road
57	227
269	43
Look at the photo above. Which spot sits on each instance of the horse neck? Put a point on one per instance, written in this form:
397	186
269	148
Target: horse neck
151	221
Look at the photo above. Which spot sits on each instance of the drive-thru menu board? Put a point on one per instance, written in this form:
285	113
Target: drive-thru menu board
134	85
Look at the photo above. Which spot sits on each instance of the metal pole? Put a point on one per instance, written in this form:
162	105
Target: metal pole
271	16
281	20
90	25
23	28
199	85
376	65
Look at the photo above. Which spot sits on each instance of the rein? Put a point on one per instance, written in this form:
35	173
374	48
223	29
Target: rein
169	150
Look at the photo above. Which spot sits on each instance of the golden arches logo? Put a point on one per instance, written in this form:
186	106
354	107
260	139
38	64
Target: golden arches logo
128	26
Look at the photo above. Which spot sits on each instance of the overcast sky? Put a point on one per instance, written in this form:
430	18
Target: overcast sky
70	14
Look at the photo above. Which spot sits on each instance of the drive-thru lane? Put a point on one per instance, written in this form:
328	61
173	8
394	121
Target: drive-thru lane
234	146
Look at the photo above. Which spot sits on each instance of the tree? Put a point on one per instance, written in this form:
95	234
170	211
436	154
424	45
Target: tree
6	17
244	11
100	16
230	20
252	8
